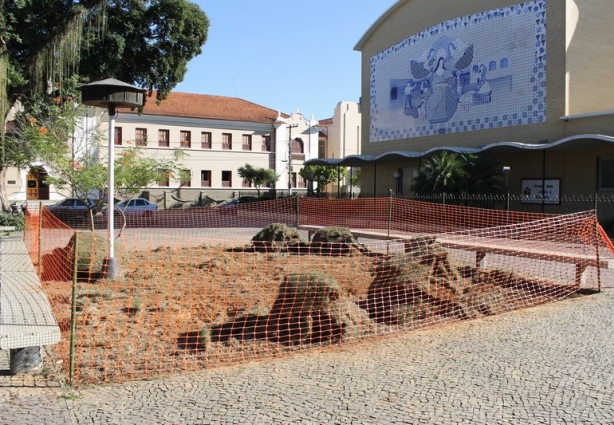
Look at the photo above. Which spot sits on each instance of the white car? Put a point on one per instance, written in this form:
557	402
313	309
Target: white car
137	207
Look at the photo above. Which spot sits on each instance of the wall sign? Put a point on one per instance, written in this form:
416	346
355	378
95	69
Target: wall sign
538	191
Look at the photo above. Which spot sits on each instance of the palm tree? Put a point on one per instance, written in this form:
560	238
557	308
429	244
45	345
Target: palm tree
445	172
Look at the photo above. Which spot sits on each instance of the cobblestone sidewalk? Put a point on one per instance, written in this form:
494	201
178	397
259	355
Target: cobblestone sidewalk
552	364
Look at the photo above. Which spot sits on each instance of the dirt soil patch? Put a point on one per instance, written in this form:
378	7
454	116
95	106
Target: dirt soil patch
184	309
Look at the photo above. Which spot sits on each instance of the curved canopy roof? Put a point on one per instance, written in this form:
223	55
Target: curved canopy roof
571	143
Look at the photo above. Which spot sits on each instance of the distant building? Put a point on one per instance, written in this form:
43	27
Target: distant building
219	134
342	137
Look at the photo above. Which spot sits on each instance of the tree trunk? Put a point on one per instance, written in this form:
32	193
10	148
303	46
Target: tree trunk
4	202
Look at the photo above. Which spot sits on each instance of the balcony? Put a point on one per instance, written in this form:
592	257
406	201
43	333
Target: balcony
227	146
226	184
163	144
205	183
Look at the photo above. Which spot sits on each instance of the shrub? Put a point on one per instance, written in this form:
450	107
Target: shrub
9	219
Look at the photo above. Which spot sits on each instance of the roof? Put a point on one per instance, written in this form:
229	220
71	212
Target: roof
192	105
376	24
577	142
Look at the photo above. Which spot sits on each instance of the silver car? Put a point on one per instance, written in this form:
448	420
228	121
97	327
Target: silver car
137	207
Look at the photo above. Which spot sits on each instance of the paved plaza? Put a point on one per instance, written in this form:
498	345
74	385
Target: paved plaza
551	364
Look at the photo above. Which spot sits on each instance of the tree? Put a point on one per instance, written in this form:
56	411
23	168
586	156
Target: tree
43	127
322	174
455	174
258	176
356	177
45	42
484	176
441	173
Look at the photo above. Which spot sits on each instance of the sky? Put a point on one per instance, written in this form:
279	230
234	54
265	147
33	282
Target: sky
283	55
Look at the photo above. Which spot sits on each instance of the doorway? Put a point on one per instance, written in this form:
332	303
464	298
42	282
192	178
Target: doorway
36	188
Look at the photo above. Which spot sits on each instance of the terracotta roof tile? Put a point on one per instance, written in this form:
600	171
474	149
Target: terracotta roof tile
194	105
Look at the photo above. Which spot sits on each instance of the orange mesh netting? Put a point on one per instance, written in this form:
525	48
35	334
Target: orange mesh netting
205	287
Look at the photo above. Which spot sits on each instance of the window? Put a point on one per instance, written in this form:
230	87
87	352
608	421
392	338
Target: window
393	93
163	138
492	66
606	173
246	183
504	63
227	141
297	146
185	178
266	143
247	142
226	178
185	139
205	140
163	178
118	136
205	178
141	137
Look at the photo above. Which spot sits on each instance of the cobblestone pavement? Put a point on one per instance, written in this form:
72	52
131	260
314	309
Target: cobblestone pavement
552	364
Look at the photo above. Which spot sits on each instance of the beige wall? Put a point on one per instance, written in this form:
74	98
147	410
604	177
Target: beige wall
344	138
413	16
577	78
589	60
197	159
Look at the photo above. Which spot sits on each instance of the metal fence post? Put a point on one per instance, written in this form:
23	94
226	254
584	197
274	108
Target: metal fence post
297	211
40	240
73	312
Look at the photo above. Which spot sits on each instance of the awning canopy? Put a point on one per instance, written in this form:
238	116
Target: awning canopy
567	144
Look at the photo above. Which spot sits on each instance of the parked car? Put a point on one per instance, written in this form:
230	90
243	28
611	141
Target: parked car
71	208
137	207
230	207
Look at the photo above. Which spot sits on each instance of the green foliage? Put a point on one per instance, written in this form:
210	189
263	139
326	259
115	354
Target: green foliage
9	219
42	132
356	177
134	170
456	173
148	43
258	176
322	174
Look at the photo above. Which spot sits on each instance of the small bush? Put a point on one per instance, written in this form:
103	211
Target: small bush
17	220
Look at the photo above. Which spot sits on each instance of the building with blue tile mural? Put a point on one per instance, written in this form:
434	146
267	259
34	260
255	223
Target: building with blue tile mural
527	83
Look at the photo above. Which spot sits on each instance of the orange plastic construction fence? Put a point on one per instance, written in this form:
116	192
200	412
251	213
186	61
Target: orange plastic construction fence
206	287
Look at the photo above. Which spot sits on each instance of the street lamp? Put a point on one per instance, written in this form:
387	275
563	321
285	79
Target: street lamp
397	177
277	125
111	94
506	171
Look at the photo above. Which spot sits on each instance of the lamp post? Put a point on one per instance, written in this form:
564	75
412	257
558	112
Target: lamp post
278	124
506	171
111	94
397	177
